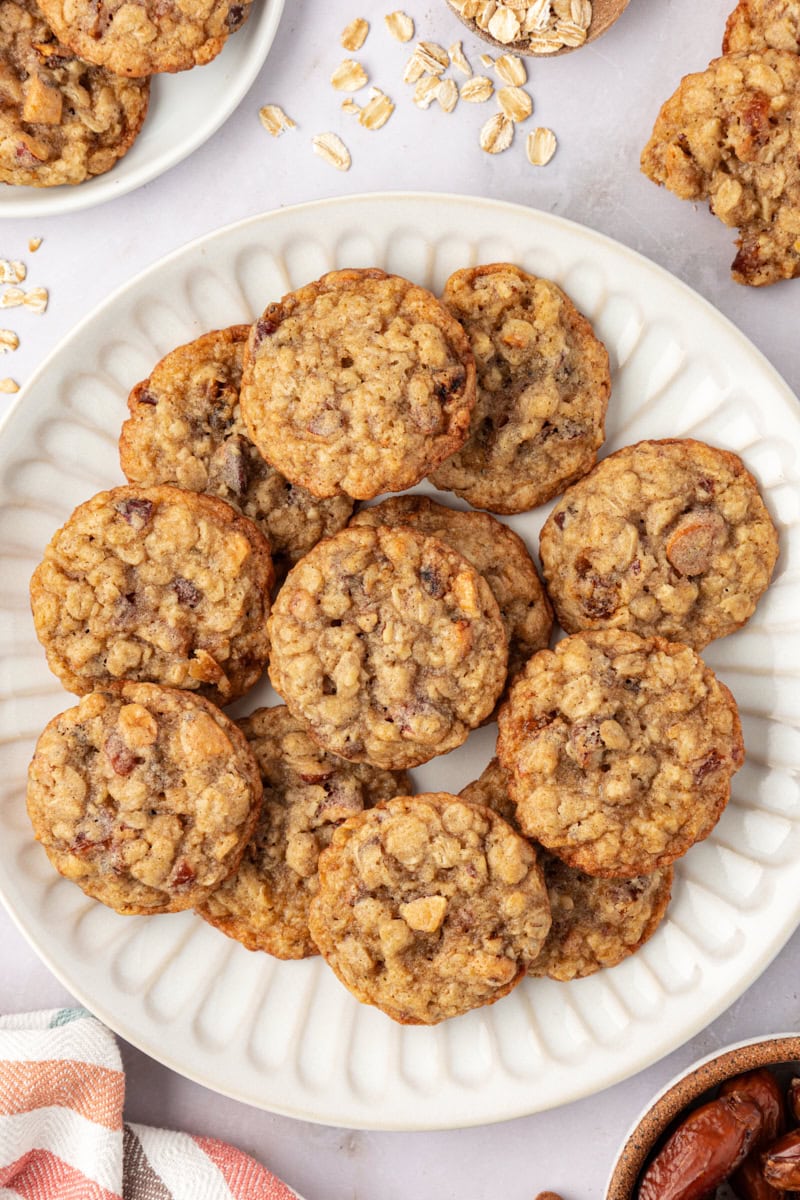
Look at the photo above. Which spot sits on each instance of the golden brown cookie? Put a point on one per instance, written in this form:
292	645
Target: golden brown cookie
731	135
495	551
144	796
619	751
307	795
762	25
543	387
388	644
159	585
358	383
669	538
429	907
61	120
185	429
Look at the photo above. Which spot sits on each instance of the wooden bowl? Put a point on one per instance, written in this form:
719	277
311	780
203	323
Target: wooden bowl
604	14
684	1093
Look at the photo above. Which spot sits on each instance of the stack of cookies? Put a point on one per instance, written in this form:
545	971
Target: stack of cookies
391	634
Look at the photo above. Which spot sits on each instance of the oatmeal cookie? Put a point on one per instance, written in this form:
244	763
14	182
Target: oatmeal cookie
388	644
359	383
669	538
61	120
596	922
543	387
145	37
731	135
159	585
185	429
495	551
429	907
619	751
144	796
762	25
307	795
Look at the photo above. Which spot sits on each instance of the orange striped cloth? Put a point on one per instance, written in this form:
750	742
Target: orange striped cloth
62	1135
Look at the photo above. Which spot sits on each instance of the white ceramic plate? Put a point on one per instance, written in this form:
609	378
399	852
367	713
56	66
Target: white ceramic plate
287	1036
185	110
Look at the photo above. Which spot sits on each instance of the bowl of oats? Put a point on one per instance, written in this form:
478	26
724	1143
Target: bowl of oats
538	27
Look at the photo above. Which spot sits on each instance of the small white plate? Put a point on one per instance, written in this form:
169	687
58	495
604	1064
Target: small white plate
185	110
286	1036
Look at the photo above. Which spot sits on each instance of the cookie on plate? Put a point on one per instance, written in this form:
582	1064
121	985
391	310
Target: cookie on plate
597	923
669	538
495	551
429	907
61	120
388	644
619	751
763	24
731	135
157	585
185	429
144	796
307	795
358	383
148	36
543	387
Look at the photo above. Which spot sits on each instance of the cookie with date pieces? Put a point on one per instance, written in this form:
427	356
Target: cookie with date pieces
359	383
388	645
186	429
157	585
429	907
144	796
667	538
61	120
731	135
619	751
307	795
543	388
762	25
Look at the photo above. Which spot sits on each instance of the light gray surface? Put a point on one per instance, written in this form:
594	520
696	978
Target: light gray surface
601	103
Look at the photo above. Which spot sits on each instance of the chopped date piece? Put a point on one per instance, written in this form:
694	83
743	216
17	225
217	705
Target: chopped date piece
136	512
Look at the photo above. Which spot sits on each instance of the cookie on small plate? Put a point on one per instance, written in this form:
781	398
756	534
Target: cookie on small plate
543	388
61	120
307	795
144	796
429	907
762	25
359	383
185	429
619	751
157	585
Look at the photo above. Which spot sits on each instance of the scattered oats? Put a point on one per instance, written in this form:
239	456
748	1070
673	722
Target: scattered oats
581	12
459	59
349	76
36	299
331	148
487	61
400	25
376	111
355	34
571	34
34	244
8	387
427	90
275	120
12	272
540	147
434	58
448	95
8	341
515	103
511	70
12	297
477	89
497	134
415	69
350	107
504	26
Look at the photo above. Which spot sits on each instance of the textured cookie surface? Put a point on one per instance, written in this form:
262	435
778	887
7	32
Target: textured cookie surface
762	25
307	795
543	387
388	644
429	907
358	383
61	120
185	429
143	37
731	135
495	551
596	922
669	538
143	796
619	751
155	584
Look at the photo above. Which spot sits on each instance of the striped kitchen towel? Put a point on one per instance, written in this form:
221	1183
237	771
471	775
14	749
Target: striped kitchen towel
62	1135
